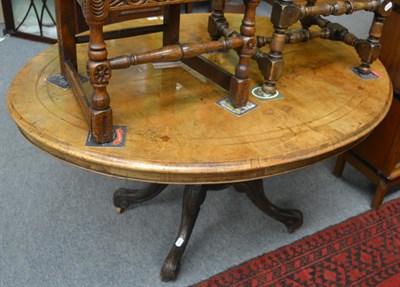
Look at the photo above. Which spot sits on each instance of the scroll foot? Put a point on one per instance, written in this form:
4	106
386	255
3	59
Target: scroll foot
124	197
171	266
193	197
292	218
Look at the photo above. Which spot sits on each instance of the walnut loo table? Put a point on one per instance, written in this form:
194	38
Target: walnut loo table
177	134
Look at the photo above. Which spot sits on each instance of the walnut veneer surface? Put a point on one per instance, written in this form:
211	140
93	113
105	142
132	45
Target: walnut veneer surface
177	133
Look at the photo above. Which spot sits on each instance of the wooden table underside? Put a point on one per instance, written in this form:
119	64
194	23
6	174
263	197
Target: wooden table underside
178	134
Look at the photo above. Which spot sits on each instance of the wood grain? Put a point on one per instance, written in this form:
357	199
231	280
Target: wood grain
390	53
177	133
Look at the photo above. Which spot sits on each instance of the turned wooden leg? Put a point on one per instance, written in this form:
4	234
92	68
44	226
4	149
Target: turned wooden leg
272	64
240	82
369	49
292	218
99	72
216	20
381	189
193	197
124	197
308	21
339	166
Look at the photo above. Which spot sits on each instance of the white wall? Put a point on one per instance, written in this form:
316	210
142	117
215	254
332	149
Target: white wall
1	14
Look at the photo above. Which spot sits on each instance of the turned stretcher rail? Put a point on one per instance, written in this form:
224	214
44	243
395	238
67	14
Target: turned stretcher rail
174	53
338	8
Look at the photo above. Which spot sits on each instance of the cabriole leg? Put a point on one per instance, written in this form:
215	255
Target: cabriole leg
292	218
124	197
193	197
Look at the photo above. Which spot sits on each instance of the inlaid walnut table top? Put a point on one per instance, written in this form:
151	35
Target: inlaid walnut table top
176	132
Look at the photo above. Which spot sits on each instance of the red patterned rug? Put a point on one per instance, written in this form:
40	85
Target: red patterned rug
361	251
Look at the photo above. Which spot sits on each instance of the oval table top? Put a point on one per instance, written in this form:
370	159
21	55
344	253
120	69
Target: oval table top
176	131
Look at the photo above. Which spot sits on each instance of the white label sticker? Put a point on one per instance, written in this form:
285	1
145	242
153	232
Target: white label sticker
388	6
178	86
179	242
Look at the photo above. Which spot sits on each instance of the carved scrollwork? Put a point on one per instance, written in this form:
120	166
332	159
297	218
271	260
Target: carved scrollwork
97	7
133	2
126	4
115	3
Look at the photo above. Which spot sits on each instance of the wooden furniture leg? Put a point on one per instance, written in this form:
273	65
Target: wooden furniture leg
194	196
99	72
172	22
308	21
66	19
381	189
339	166
97	109
216	20
240	82
382	182
272	64
369	49
292	218
124	197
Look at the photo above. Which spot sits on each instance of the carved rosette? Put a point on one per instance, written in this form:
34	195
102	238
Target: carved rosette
250	46
98	73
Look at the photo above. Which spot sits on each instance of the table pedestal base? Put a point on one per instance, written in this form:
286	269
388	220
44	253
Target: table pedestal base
193	197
